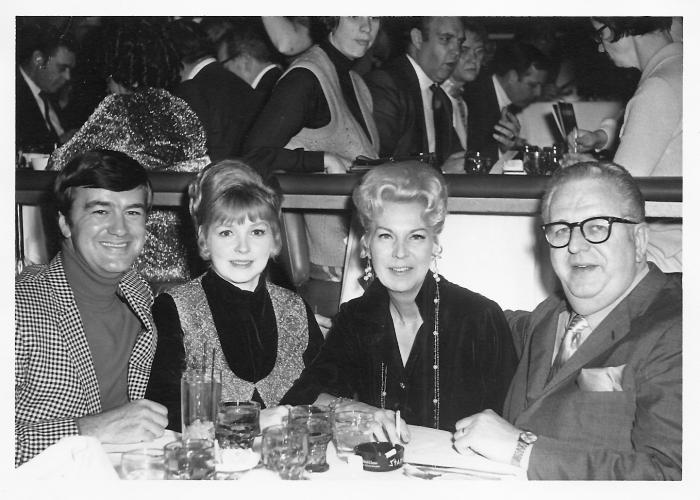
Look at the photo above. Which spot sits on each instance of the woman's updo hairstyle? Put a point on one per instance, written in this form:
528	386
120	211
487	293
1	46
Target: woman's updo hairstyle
230	191
402	182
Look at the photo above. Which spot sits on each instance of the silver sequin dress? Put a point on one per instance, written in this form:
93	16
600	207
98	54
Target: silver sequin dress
164	134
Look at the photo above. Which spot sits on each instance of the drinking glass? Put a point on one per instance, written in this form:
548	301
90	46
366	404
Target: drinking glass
350	428
144	463
200	394
318	427
285	449
237	424
189	459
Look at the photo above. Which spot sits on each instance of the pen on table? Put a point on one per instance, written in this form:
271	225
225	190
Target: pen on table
398	424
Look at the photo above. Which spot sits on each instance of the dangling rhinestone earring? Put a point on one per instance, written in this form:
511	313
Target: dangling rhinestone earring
369	274
436	256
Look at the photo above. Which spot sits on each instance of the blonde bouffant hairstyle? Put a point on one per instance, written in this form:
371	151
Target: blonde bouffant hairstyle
402	182
231	191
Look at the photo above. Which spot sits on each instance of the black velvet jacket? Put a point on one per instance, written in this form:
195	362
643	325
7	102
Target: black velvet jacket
477	358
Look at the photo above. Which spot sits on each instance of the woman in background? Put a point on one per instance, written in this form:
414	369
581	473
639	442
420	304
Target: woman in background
264	334
143	119
319	119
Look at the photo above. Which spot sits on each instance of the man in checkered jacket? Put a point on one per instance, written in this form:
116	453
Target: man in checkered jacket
84	334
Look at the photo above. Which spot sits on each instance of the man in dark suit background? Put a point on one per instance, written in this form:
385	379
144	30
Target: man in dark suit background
226	105
493	99
597	392
45	59
402	95
245	50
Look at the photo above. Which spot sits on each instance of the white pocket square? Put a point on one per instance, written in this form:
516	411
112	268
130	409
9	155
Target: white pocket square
601	379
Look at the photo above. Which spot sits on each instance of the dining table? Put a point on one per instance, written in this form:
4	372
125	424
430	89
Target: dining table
429	455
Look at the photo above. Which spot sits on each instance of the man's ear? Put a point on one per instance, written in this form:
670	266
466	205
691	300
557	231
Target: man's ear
38	59
641	239
416	38
63	225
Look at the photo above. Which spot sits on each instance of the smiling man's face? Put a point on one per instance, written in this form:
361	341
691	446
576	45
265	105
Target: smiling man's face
593	276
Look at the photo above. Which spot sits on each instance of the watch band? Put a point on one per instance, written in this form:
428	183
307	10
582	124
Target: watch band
525	439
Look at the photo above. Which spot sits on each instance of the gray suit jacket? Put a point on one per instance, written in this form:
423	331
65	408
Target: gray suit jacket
589	432
55	379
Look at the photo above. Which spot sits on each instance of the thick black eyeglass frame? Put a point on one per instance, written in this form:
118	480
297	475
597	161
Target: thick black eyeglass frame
572	225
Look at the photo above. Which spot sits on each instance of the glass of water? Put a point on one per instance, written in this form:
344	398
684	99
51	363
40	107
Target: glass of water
189	459
144	463
350	428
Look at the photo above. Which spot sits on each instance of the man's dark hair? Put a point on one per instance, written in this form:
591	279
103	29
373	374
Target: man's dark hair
475	27
248	38
631	26
46	39
191	40
100	168
519	57
138	52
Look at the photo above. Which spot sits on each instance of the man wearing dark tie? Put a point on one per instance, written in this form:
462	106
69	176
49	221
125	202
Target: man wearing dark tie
597	392
45	61
413	113
515	80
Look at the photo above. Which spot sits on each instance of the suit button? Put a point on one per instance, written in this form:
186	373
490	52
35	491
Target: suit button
402	385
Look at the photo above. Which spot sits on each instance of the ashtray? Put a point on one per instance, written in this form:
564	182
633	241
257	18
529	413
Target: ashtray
380	457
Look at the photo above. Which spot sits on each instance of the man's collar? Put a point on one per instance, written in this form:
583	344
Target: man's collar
501	95
424	80
197	68
30	83
262	73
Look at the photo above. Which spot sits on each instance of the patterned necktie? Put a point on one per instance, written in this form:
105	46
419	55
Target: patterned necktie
569	343
45	97
442	119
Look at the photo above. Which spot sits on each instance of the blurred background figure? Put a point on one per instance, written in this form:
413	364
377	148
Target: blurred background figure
467	70
225	104
517	74
413	113
143	119
245	50
46	58
319	119
651	134
291	35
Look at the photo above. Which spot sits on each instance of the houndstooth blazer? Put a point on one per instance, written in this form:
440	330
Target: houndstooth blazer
55	379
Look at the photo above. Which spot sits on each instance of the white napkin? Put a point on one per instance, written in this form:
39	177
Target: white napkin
73	457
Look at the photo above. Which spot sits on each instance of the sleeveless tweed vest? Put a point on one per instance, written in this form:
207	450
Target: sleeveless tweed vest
292	331
343	136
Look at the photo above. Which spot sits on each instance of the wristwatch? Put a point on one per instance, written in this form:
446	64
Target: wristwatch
525	439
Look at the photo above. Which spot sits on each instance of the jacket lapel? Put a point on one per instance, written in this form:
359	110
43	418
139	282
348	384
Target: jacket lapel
412	86
70	325
541	352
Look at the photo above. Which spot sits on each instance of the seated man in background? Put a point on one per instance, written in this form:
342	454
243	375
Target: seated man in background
245	51
597	392
412	111
494	98
467	70
84	334
224	103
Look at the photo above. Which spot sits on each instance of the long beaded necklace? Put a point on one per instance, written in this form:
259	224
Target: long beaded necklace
436	359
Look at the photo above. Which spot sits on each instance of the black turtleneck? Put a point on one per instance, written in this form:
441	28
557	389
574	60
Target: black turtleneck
298	102
110	326
247	329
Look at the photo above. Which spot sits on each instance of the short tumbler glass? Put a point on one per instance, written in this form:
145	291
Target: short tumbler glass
318	427
144	463
285	450
189	459
237	424
350	428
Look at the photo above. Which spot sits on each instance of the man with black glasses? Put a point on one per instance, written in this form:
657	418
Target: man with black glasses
597	392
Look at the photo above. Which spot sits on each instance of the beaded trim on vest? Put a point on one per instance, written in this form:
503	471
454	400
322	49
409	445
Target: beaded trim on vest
343	135
292	331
